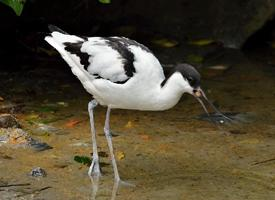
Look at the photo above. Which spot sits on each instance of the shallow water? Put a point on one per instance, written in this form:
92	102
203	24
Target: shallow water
167	155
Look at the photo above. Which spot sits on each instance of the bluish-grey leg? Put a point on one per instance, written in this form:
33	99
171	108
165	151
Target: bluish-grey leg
94	170
110	145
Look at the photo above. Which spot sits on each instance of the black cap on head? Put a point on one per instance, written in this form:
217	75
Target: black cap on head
189	73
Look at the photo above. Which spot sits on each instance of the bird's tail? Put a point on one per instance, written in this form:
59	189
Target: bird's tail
54	28
56	39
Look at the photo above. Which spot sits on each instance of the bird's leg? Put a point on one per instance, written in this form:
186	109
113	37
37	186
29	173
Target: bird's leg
94	170
110	145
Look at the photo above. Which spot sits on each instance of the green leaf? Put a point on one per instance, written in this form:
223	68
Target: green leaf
192	58
47	109
201	42
16	5
105	1
83	159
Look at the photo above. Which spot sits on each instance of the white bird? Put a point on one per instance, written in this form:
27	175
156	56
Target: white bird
122	74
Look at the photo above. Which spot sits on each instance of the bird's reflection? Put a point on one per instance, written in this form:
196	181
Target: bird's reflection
95	188
114	190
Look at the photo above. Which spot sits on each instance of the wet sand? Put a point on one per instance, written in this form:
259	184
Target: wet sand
167	155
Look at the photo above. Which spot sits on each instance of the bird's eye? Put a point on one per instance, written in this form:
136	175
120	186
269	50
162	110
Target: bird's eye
191	81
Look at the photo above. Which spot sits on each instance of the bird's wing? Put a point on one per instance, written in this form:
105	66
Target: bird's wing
108	58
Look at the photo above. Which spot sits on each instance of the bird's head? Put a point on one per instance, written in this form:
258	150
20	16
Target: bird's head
190	83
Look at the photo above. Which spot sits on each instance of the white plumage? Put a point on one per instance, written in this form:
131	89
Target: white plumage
142	91
121	73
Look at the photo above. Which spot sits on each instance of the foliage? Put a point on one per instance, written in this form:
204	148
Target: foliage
16	5
194	59
105	1
83	159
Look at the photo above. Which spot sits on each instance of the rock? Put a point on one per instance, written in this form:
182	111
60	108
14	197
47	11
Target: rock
8	107
38	172
195	19
8	121
39	146
230	22
80	144
16	137
41	129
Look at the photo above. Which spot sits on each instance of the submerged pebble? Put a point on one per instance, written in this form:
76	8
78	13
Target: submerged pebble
8	121
39	146
237	132
16	137
7	107
80	144
219	67
44	129
38	172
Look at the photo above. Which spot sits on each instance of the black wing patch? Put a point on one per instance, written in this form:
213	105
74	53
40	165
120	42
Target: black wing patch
127	42
97	76
116	43
127	56
75	48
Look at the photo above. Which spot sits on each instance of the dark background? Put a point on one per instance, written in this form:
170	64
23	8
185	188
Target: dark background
238	24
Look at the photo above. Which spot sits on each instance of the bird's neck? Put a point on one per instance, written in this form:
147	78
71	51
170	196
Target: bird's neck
171	91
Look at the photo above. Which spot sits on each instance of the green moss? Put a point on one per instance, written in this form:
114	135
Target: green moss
83	159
